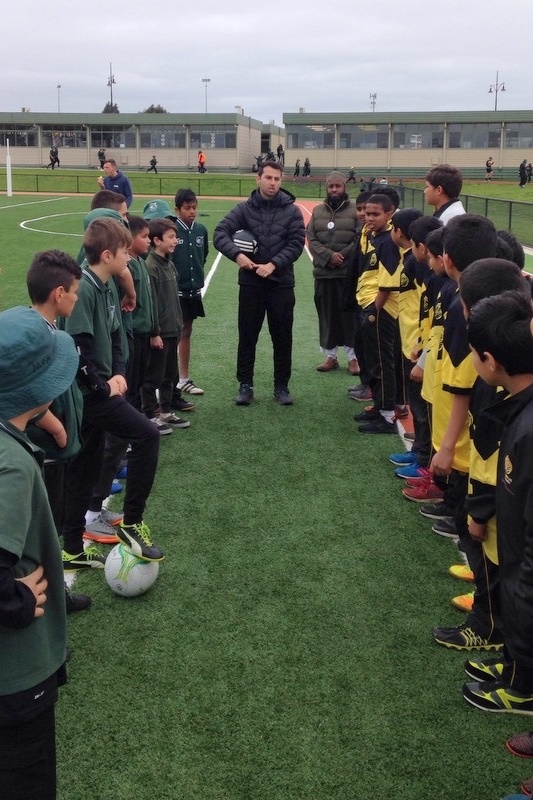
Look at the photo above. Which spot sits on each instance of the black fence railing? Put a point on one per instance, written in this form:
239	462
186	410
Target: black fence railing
508	215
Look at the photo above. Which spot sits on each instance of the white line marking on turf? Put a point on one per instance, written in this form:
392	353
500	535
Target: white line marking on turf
303	208
27	227
34	203
211	273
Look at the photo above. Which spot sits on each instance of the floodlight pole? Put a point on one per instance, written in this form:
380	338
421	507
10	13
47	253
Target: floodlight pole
58	87
110	81
373	98
206	81
496	87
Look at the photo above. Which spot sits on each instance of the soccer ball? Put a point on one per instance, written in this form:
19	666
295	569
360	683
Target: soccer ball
128	575
245	242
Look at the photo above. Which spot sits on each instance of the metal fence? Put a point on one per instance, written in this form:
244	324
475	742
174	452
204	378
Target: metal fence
509	215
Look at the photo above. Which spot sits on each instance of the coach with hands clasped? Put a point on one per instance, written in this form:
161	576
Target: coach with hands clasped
266	280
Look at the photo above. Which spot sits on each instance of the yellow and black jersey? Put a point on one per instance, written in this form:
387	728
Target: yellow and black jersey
379	269
412	276
485	435
438	308
457	376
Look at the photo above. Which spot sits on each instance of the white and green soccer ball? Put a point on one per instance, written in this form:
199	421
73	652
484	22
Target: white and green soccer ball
128	575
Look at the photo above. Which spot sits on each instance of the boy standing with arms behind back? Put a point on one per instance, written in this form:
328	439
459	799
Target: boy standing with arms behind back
95	328
189	258
162	368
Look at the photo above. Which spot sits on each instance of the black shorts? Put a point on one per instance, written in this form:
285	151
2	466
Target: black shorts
192	307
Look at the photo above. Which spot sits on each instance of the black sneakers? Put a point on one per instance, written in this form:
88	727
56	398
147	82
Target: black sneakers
436	511
378	425
76	602
282	396
463	637
245	395
138	539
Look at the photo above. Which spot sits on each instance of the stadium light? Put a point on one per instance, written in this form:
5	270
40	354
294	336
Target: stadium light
206	81
496	87
110	82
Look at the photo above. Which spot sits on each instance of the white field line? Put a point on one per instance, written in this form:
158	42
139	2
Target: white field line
34	203
210	275
25	224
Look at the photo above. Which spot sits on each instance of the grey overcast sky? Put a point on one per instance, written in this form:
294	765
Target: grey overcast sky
268	58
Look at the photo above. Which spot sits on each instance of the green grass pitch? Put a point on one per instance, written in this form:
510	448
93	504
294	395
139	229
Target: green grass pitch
285	651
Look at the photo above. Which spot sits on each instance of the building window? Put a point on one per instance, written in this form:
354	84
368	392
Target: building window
519	135
417	137
310	137
157	137
114	136
71	136
19	135
205	137
470	136
364	137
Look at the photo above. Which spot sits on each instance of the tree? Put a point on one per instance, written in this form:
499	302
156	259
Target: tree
154	110
110	109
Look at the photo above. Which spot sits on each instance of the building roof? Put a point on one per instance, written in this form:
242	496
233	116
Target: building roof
405	117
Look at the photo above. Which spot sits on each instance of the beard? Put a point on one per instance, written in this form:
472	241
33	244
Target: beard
335	202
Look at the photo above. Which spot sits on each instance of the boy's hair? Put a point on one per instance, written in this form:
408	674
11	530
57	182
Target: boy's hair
518	254
362	197
468	238
501	326
159	226
269	163
422	227
503	250
110	161
402	219
49	270
105	198
391	193
449	178
434	241
488	277
137	224
184	196
383	200
104	234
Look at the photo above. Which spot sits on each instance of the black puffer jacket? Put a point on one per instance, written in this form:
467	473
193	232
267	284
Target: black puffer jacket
279	229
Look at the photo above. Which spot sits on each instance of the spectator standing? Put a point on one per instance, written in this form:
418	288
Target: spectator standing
115	181
201	162
443	186
522	174
331	236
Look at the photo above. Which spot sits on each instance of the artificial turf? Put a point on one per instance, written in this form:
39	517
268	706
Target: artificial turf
285	651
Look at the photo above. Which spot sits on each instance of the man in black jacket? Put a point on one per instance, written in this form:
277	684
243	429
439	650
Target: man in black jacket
266	275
